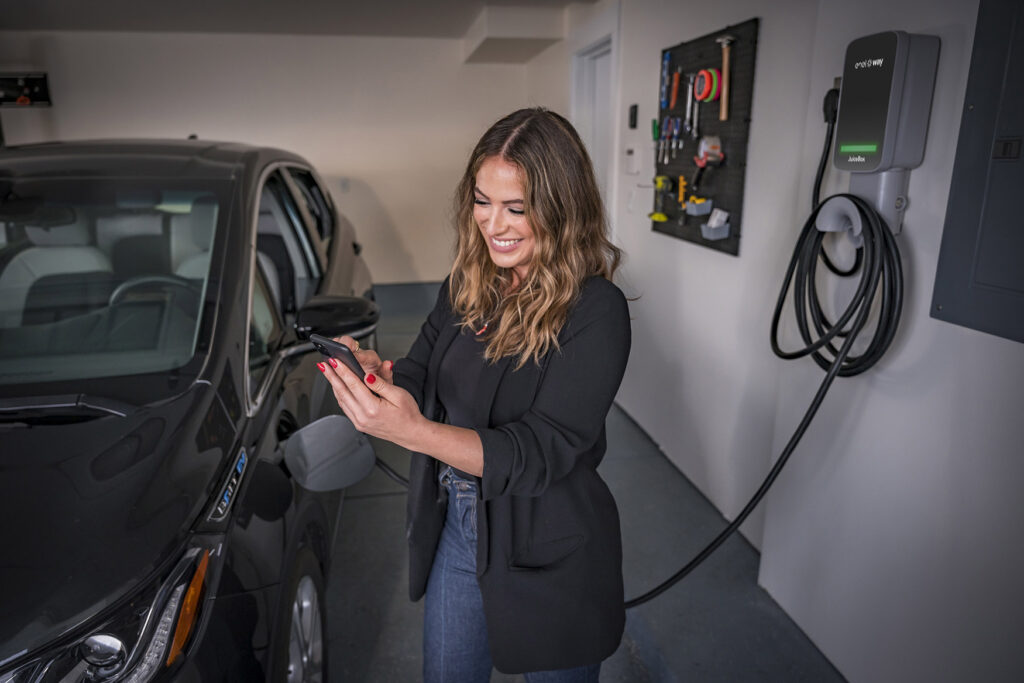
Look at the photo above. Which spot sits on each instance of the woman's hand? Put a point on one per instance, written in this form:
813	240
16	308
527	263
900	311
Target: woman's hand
391	413
368	359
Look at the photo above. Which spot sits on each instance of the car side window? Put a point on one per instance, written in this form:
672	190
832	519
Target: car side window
293	272
317	202
264	332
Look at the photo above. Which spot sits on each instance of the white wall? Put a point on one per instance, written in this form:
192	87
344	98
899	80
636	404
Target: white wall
389	122
893	537
549	74
547	78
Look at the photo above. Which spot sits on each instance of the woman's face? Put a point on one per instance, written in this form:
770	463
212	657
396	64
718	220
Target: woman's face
498	211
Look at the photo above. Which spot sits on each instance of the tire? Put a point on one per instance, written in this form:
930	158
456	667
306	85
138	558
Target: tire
300	644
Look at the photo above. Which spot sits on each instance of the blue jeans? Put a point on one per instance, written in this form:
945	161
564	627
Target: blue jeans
455	648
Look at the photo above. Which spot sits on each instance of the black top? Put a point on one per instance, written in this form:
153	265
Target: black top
549	549
458	379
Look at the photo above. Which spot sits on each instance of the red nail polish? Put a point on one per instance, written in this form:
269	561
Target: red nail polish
321	367
391	365
370	379
333	362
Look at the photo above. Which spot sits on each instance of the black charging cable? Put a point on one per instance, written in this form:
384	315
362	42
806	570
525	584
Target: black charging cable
881	270
830	112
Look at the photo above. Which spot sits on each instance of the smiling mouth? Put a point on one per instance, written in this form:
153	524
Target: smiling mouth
505	243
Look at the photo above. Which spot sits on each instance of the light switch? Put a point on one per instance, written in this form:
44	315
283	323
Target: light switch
632	162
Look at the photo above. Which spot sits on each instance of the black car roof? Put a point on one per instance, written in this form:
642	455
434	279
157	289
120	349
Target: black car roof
139	158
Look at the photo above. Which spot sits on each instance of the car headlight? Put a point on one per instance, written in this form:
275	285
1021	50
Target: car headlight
142	637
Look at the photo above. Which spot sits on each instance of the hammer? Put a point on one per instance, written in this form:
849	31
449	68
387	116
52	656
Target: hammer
723	111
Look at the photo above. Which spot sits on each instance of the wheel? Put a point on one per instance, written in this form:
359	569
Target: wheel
300	654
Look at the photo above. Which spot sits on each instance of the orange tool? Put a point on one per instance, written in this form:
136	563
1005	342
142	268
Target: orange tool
675	87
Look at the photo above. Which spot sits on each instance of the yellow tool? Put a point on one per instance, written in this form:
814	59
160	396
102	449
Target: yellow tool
662	184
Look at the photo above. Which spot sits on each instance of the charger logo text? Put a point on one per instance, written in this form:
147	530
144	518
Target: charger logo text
868	63
857	159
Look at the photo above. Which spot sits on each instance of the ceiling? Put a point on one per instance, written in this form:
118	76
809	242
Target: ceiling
407	18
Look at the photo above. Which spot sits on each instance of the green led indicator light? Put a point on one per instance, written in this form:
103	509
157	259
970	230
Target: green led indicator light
858	148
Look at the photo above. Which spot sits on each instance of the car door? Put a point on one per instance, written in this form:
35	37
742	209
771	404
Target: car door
287	271
284	392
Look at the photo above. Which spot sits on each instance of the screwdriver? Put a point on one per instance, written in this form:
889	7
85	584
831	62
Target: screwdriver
666	131
664	79
675	87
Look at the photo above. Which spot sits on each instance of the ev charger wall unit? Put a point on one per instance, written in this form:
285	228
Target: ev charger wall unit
884	107
883	113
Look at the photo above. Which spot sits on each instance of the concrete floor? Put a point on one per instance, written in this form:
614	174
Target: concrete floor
715	625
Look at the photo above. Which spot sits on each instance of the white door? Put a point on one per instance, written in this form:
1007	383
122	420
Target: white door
592	108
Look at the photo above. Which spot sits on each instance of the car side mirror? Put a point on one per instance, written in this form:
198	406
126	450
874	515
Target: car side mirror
332	316
329	454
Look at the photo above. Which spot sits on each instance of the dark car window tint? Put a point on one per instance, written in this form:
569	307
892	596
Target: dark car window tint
316	202
282	242
264	332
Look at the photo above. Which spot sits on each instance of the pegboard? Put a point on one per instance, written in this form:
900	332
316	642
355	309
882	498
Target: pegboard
720	185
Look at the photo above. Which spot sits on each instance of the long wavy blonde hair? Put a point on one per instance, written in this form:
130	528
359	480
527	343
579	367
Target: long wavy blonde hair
563	207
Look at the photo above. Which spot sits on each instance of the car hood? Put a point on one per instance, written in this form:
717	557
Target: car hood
91	508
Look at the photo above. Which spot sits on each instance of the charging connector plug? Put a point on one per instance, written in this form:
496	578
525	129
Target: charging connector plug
830	110
830	105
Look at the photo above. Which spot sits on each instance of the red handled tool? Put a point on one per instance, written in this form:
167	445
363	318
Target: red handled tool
709	152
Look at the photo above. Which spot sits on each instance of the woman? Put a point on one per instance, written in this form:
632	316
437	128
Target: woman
513	537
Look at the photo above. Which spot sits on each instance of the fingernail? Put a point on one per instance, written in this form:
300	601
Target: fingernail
391	365
321	366
370	379
333	362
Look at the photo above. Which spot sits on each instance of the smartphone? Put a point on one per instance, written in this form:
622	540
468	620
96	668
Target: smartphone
333	349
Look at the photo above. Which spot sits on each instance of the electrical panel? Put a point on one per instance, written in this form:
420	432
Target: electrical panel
979	282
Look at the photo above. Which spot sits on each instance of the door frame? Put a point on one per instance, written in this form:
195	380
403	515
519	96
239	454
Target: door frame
595	37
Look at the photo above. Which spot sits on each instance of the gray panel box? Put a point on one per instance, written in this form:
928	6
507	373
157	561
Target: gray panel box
979	282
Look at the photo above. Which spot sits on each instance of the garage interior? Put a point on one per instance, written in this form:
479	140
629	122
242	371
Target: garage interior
889	549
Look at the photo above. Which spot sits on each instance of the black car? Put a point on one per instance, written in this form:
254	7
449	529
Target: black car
172	463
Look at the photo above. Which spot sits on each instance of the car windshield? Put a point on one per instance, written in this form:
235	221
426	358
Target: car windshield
103	277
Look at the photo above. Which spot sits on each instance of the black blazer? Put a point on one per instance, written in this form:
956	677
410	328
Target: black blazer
549	550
